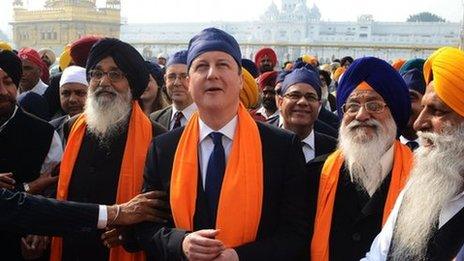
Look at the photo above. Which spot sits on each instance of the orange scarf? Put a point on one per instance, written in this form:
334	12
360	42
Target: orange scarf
328	187
130	178
240	202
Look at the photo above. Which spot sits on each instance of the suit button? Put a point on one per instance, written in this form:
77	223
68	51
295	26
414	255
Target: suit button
356	237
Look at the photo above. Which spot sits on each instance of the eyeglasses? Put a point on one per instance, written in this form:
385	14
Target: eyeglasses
296	96
173	76
373	107
114	75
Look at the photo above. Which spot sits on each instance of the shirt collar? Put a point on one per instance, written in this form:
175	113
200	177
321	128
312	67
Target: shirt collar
187	111
228	130
309	140
404	140
262	111
11	117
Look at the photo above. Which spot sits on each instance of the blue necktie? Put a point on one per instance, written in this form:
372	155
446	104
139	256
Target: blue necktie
215	172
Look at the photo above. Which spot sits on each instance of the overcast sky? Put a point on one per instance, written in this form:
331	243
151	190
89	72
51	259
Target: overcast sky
136	11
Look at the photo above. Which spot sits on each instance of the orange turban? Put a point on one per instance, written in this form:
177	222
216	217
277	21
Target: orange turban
249	95
398	63
338	73
445	67
310	59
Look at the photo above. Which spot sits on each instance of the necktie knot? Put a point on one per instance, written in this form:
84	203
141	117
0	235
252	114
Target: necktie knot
216	137
412	145
177	117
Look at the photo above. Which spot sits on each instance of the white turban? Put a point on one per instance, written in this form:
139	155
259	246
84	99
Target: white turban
74	74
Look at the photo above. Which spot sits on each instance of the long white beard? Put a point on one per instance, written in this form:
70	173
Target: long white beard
107	115
362	154
437	177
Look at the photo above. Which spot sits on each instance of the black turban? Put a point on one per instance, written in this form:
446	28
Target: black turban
11	64
128	60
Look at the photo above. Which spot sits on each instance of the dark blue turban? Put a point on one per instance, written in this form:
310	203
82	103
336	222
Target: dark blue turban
11	64
417	63
414	79
302	75
34	104
126	57
250	66
213	39
156	72
281	76
178	58
384	79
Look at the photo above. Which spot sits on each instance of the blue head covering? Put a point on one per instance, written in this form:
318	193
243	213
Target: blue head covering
11	64
384	79
414	79
213	39
417	63
302	75
178	58
250	66
34	104
281	76
156	72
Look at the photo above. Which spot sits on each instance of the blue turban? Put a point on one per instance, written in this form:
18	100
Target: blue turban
384	79
126	57
417	63
302	75
156	72
213	39
178	58
414	79
250	66
34	104
11	64
281	76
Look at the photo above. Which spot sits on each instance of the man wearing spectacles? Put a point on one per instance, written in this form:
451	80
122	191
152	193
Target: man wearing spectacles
106	145
177	85
361	180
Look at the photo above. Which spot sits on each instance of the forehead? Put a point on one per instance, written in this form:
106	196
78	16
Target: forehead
301	87
73	86
431	98
365	95
176	68
213	56
107	63
28	63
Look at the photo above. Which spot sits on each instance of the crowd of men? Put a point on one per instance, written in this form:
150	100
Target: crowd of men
205	155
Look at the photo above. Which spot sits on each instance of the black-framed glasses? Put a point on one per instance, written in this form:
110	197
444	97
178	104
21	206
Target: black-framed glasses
373	107
296	96
173	76
113	75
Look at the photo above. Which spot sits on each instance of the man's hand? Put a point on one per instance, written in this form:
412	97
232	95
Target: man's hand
32	247
151	206
7	181
113	237
42	182
228	255
202	245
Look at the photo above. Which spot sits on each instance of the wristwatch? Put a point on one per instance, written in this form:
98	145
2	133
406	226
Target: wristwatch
26	187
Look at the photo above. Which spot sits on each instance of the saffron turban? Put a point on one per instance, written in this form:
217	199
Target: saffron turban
398	63
445	67
266	52
5	46
414	79
302	75
249	94
384	79
267	79
33	56
11	64
213	39
178	58
128	60
310	59
80	49
417	63
250	66
65	58
338	73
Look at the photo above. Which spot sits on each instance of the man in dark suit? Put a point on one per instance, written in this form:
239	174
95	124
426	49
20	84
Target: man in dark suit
182	107
259	212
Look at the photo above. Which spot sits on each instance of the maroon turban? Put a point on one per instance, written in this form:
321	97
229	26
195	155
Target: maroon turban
80	49
263	52
267	79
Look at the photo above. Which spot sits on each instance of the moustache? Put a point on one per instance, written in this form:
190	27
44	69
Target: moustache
102	89
369	123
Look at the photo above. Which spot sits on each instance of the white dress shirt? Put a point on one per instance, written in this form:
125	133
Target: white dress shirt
39	88
381	244
309	149
186	115
262	111
206	143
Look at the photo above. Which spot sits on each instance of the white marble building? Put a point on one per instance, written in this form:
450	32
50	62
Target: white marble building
296	29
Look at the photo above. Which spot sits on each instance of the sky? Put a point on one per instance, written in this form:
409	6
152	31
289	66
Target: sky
164	11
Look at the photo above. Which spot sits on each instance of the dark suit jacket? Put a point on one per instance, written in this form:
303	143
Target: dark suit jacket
319	126
283	232
162	116
43	216
324	144
329	117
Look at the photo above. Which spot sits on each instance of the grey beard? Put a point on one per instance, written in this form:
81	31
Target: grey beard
437	177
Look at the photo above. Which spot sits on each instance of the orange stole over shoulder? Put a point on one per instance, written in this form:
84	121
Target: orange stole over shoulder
328	187
130	178
240	202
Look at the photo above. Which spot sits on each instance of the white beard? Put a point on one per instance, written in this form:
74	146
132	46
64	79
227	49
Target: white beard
107	115
437	177
362	154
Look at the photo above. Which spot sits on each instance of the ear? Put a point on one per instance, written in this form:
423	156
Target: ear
280	100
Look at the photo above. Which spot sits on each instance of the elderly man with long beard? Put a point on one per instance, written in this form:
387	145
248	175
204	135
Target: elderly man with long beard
427	222
106	145
360	181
